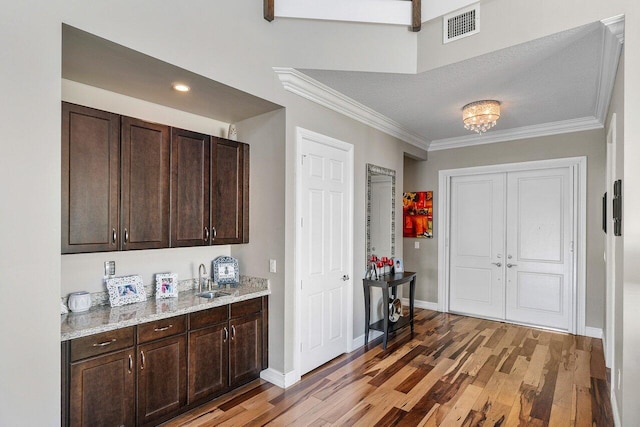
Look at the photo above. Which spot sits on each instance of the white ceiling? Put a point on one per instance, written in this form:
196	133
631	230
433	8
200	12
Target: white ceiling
553	79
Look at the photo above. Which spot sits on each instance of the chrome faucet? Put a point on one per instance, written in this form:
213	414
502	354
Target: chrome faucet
201	270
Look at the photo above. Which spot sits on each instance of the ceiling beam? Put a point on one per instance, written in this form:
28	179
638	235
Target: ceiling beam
269	10
416	15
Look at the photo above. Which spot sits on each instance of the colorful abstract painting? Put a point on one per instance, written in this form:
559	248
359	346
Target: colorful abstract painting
417	214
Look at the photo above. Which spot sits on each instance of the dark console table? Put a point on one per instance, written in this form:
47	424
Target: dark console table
385	282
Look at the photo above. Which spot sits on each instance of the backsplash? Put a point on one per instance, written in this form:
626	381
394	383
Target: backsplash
102	298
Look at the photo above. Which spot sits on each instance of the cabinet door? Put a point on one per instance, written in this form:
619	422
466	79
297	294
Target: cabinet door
245	349
145	185
208	362
190	177
161	378
102	391
229	192
90	168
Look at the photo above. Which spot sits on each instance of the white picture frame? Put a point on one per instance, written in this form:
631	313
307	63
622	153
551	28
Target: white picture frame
398	265
166	285
225	270
125	290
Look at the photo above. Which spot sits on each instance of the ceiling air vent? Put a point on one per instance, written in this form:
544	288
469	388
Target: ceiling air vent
462	23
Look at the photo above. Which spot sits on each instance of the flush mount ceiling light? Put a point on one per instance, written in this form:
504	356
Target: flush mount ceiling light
181	87
480	116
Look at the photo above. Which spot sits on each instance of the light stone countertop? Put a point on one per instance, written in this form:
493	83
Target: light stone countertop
105	318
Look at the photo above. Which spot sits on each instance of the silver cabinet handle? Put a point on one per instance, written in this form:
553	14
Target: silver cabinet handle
165	328
126	236
497	264
511	265
130	364
142	360
104	344
206	234
215	233
114	235
233	332
226	334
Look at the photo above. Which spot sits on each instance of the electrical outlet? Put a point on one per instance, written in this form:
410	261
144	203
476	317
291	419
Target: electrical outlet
109	268
416	245
272	266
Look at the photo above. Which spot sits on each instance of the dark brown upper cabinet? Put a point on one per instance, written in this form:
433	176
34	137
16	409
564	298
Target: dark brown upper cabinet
145	185
90	177
229	192
190	183
130	184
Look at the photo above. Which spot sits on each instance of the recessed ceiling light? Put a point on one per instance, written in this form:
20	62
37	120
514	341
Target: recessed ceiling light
181	87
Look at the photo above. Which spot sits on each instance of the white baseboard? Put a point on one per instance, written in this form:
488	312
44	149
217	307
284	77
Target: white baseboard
359	341
593	332
614	408
279	379
421	304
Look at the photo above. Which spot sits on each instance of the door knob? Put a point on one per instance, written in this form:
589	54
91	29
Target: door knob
345	277
511	265
497	264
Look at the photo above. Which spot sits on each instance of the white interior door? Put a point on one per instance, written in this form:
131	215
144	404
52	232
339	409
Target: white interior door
539	260
325	204
477	242
511	249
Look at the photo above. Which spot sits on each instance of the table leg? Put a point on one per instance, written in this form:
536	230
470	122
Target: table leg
367	313
412	294
385	315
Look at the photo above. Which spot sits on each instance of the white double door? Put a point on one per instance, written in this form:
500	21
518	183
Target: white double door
511	255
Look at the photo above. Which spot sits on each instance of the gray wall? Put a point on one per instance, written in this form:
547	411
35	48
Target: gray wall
423	176
617	107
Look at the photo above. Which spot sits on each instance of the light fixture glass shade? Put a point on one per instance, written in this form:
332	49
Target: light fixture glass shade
480	116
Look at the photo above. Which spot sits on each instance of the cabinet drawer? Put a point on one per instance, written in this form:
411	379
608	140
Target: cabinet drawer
161	328
246	307
105	342
212	316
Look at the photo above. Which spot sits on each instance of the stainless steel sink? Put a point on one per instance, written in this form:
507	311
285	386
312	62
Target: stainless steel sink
216	294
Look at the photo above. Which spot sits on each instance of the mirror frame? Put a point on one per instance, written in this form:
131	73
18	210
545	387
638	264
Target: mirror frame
379	170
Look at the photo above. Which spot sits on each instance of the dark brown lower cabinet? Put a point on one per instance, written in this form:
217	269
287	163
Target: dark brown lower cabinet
245	349
208	362
102	391
162	368
147	374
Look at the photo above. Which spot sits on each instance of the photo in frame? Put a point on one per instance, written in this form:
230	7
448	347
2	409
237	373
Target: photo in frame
398	265
225	270
125	290
166	285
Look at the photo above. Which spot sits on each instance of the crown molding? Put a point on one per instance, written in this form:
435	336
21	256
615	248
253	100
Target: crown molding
611	49
545	129
299	83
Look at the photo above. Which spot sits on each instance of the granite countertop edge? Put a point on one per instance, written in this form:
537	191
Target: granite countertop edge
97	316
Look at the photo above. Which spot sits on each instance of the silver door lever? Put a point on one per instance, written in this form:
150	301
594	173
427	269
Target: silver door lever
497	264
345	277
511	265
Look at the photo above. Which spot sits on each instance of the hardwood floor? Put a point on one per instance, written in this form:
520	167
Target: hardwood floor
454	371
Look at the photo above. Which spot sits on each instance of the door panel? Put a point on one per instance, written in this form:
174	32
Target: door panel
325	193
539	233
477	242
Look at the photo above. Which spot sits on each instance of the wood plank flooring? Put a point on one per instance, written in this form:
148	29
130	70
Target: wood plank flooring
454	371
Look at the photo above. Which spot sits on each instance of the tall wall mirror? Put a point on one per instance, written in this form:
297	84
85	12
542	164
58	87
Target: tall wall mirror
381	211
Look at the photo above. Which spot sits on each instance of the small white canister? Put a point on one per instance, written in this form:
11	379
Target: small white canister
79	301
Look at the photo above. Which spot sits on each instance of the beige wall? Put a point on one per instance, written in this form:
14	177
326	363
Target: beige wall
423	176
617	107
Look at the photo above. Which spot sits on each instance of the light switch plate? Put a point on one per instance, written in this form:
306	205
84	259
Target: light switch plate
109	268
416	245
272	266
